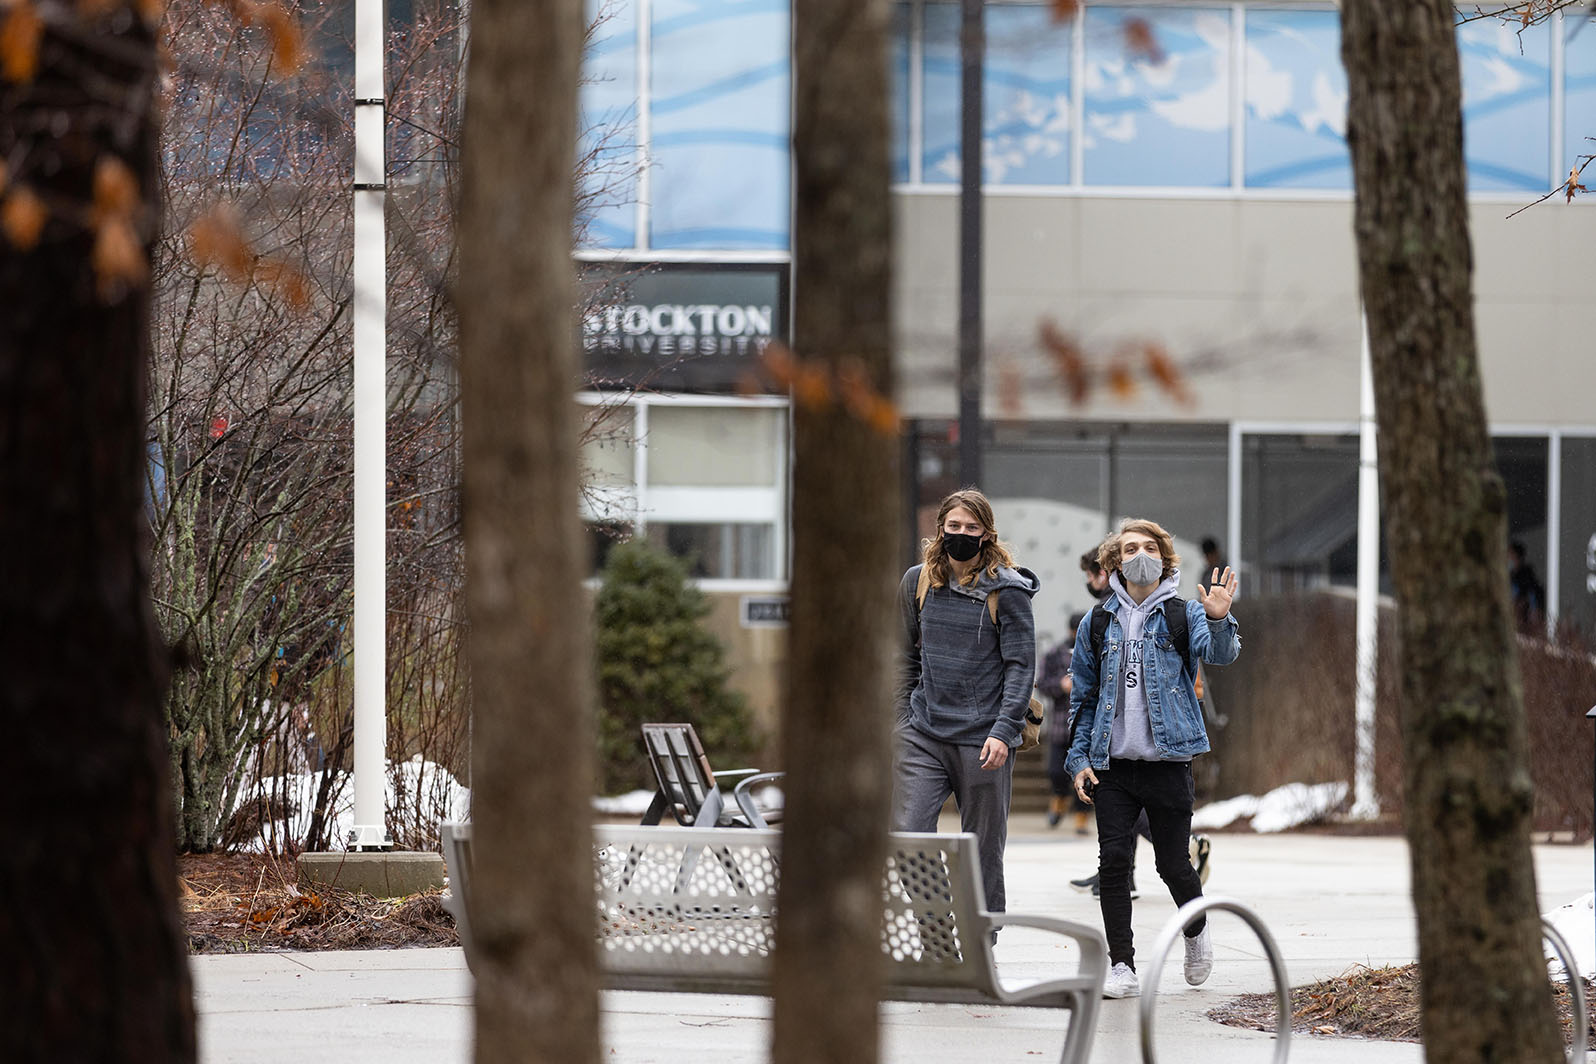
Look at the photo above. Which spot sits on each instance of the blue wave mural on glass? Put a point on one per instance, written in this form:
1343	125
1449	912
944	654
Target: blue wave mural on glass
1507	86
719	116
607	128
1025	96
1296	101
1158	116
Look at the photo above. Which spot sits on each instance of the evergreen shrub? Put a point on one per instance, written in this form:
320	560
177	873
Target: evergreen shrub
657	663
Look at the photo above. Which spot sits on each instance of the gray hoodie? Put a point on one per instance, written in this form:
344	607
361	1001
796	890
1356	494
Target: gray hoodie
962	679
1132	738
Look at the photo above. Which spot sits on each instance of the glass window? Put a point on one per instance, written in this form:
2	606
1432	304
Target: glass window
1157	97
1506	104
692	446
1296	125
1521	461
902	30
1057	488
721	551
607	128
1025	96
1299	525
718	113
607	448
1579	93
1576	589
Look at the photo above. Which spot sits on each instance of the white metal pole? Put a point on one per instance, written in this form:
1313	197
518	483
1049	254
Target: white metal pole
1365	805
371	418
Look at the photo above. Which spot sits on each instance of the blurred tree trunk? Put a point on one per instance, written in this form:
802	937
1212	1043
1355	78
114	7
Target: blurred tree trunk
525	558
1468	792
828	966
89	921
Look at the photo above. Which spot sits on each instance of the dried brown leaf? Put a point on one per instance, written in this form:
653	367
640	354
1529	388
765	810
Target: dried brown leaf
864	401
286	281
1166	373
118	260
1011	389
1121	381
811	387
116	190
1068	361
1141	42
216	240
22	216
779	365
288	44
1065	9
20	33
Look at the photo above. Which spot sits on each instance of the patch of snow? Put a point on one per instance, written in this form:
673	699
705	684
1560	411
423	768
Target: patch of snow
632	803
430	792
767	799
1297	803
1281	809
1224	813
1576	922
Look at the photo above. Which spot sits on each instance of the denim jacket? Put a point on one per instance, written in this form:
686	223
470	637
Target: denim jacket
1172	706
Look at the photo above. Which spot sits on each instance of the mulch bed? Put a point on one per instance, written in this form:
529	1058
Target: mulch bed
235	903
1362	1003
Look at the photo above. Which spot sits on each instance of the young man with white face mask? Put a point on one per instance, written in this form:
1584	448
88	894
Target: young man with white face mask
1139	725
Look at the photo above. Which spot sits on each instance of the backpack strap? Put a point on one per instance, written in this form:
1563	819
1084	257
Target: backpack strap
1175	618
1099	632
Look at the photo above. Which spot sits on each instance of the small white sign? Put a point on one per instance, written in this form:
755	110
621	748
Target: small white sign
765	611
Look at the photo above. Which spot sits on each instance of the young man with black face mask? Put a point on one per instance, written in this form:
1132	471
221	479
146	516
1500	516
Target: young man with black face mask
965	682
1138	726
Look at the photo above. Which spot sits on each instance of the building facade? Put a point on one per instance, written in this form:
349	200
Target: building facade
1159	175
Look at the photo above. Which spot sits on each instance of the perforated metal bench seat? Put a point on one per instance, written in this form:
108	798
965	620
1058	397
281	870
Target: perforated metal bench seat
693	910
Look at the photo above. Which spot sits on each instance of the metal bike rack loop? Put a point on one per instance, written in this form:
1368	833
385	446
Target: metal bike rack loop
1190	911
1166	939
1576	990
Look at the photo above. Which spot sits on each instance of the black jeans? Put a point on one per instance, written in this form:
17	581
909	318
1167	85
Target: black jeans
1165	791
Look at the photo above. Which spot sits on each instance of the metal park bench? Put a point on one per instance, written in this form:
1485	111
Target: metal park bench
689	790
693	910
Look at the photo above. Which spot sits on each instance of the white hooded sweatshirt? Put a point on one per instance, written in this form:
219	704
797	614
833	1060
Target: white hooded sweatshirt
1132	738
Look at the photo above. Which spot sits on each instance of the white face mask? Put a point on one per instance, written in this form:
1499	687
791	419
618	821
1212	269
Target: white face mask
1143	569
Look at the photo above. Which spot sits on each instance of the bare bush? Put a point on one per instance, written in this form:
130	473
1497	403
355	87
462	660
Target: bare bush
1289	704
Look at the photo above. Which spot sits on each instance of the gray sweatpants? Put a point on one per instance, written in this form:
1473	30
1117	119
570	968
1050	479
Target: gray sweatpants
926	770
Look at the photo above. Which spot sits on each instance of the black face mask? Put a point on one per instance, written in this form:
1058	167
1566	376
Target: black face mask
960	547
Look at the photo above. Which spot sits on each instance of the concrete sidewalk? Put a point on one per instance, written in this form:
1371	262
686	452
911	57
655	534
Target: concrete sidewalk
1331	902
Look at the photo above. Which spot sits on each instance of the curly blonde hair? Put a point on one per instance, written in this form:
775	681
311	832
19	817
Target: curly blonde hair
1108	554
994	554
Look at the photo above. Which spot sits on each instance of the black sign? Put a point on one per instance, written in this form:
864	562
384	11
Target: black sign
766	612
681	327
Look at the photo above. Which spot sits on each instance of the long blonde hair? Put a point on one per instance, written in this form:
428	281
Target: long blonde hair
938	571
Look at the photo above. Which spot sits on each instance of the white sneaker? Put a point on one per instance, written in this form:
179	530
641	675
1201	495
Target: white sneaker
1199	957
1121	982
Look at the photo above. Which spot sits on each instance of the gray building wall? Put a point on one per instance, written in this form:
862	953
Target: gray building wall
1256	298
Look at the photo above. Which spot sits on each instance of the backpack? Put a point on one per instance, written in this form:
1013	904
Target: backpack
1175	619
1031	730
